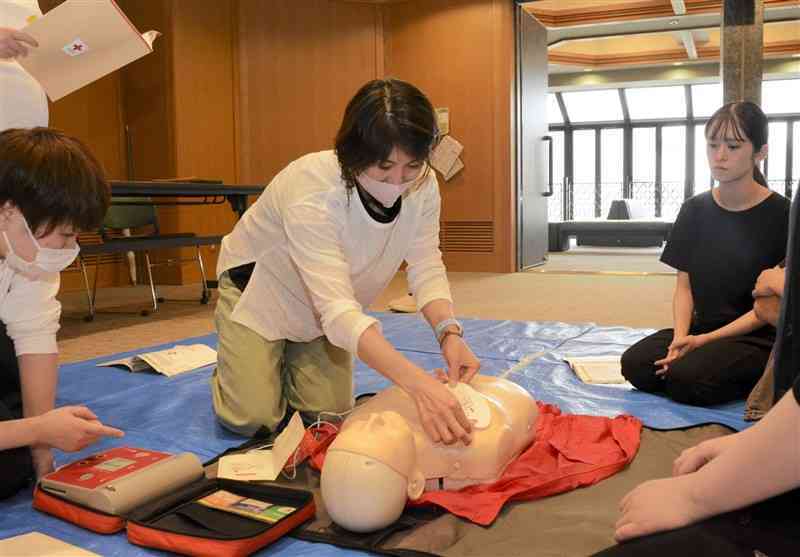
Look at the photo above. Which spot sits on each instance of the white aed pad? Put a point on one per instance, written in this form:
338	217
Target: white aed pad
474	405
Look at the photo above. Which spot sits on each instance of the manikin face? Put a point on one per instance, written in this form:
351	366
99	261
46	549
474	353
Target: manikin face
374	460
731	159
399	168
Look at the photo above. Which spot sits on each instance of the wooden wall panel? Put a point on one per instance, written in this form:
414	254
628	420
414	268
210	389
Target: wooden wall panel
147	94
203	86
93	115
298	64
179	106
461	53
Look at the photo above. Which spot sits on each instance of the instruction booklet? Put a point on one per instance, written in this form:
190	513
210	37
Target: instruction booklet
604	370
81	41
172	361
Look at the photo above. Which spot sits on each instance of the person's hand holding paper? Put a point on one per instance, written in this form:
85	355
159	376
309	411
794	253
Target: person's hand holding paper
15	44
80	42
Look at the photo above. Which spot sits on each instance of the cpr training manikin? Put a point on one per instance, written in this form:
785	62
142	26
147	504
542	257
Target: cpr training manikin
382	455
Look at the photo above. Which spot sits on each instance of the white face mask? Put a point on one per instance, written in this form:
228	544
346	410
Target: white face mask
47	260
385	192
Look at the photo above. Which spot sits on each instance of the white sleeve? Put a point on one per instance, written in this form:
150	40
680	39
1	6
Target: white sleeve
314	230
426	273
31	314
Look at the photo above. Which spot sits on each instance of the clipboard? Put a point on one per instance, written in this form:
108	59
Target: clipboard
81	41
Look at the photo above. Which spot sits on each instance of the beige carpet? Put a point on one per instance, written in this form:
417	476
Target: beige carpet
635	301
599	261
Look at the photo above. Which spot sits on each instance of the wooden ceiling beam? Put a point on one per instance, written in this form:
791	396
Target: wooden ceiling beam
646	9
708	53
687	38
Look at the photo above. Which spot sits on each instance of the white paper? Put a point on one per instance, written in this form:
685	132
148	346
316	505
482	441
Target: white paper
264	465
457	167
172	361
443	120
149	37
36	544
597	369
445	154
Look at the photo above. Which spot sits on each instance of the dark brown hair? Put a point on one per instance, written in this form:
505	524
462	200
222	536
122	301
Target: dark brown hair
746	122
53	179
384	114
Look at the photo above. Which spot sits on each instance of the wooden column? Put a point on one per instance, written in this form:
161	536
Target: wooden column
742	50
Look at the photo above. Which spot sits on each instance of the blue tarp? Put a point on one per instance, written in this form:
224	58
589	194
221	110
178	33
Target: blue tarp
175	414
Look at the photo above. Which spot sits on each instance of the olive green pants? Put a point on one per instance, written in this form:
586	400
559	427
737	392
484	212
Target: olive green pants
256	378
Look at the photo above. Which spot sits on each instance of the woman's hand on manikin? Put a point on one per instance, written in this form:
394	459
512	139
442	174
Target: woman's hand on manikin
440	413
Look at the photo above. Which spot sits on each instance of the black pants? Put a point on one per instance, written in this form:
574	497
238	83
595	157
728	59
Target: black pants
771	528
720	371
16	466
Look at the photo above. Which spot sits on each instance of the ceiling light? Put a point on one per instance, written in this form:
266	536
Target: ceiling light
796	55
677	63
587	69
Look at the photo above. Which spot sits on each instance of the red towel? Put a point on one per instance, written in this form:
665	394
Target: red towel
569	451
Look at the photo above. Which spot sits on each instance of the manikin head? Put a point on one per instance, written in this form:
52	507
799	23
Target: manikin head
370	472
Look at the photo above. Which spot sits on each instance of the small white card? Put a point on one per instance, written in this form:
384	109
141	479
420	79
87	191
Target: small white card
264	465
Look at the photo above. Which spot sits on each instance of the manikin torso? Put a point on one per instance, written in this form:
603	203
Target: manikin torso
511	429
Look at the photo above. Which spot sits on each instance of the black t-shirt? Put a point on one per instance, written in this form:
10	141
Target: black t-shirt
724	252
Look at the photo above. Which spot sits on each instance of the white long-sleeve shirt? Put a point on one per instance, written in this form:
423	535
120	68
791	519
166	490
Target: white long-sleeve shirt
320	258
22	100
30	311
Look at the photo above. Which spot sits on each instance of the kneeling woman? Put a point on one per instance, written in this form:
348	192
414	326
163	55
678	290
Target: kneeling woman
321	243
721	241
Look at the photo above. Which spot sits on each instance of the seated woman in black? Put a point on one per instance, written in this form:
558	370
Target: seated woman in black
720	243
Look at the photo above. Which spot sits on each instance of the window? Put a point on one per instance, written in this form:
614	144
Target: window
555	203
652	103
553	110
611	167
593	106
776	157
644	167
584	181
656	112
780	97
706	99
673	169
702	173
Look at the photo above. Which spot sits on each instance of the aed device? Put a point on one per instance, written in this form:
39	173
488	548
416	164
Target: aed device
120	479
156	496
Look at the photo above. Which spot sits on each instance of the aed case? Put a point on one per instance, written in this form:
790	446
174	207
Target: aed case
154	497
